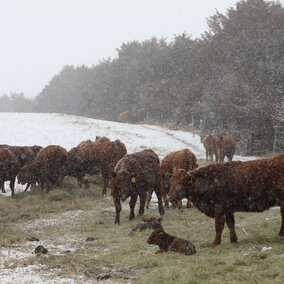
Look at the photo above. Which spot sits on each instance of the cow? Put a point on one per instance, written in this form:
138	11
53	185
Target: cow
9	167
226	146
102	139
48	167
183	159
219	190
167	242
104	156
25	154
125	116
78	161
210	146
150	223
134	175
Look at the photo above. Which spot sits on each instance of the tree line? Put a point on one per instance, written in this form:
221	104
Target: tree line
229	81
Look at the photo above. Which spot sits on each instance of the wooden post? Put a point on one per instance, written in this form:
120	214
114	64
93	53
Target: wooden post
274	144
192	119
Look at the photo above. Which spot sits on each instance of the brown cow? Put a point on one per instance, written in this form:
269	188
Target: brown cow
9	167
183	159
78	161
125	116
151	223
133	176
210	146
226	146
104	156
167	242
25	154
48	168
219	190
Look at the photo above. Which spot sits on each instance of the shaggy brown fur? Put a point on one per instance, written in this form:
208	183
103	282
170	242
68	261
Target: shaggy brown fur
133	176
219	190
167	242
226	147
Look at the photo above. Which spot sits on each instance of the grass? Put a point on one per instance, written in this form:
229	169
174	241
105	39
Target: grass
67	216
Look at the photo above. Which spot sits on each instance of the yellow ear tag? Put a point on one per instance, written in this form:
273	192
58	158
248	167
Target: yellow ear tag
133	180
191	180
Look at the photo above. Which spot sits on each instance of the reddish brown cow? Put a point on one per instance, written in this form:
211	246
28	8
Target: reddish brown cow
210	146
226	146
167	242
104	156
125	116
9	167
151	223
183	159
133	176
219	190
78	161
48	168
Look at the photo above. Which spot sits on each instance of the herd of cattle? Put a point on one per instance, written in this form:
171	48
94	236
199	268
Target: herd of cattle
218	189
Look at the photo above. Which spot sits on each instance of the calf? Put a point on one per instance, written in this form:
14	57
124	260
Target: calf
167	242
152	223
48	168
219	190
9	167
134	175
183	159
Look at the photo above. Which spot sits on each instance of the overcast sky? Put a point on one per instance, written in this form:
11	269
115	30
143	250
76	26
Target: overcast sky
39	37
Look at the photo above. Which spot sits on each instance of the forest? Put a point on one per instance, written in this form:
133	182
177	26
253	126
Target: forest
229	81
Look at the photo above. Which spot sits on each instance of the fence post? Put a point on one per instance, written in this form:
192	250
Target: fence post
274	144
192	118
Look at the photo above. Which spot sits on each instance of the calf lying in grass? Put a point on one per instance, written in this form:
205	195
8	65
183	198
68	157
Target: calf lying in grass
151	223
167	242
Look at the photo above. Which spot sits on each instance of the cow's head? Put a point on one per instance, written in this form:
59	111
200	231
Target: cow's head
180	181
26	175
154	223
159	238
74	165
123	182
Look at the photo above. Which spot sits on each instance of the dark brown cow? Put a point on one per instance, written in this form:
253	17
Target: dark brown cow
210	146
183	159
167	242
104	156
9	167
226	147
48	168
125	116
219	190
78	161
133	176
25	154
151	223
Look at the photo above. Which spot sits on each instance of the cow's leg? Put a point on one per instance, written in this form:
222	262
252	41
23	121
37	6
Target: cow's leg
188	204
281	233
160	202
219	226
80	181
149	197
3	186
42	184
12	186
106	181
230	221
142	202
117	205
132	204
179	204
206	155
27	186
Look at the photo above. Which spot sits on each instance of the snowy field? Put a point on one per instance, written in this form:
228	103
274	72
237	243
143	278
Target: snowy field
68	131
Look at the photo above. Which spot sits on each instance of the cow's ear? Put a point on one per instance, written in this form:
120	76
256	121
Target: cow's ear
113	174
